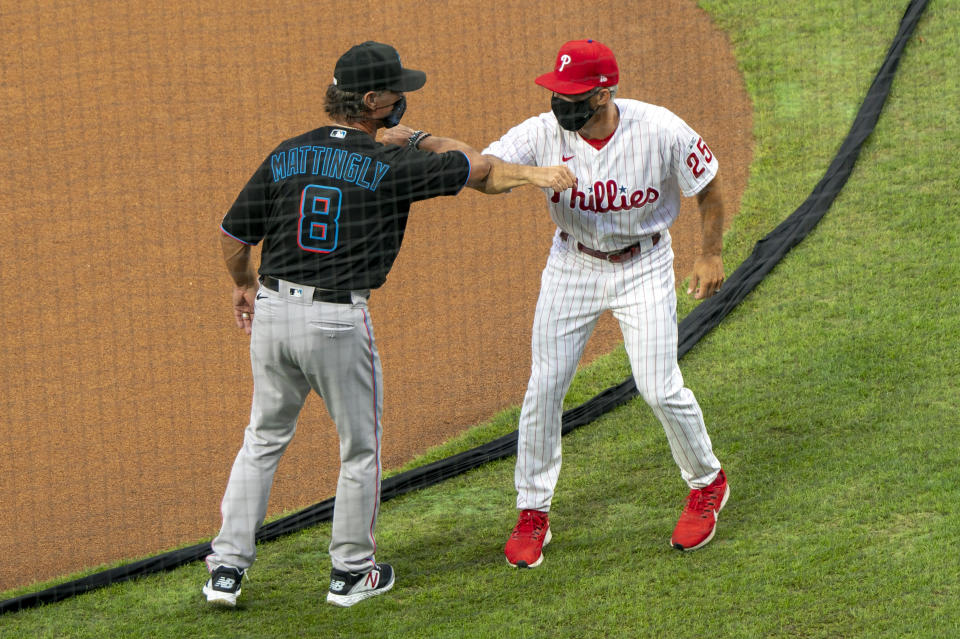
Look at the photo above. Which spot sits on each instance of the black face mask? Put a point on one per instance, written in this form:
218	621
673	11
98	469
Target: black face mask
572	116
393	118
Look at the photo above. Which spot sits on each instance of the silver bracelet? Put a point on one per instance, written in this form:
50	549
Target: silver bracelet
416	138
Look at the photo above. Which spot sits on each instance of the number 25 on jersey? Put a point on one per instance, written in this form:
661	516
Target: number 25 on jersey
693	160
319	219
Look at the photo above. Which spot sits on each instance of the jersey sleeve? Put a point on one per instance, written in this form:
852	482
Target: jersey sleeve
519	144
246	219
693	161
422	175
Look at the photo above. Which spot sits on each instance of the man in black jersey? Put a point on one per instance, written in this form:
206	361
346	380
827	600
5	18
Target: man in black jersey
331	207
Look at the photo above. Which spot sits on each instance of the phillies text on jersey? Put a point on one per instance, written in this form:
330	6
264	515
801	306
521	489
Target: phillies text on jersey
631	187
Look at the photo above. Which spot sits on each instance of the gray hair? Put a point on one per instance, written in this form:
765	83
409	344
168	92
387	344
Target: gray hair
345	105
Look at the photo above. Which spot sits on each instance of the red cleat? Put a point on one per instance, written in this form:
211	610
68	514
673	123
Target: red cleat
698	521
530	535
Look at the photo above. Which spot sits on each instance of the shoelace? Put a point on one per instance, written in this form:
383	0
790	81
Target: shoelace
529	525
700	501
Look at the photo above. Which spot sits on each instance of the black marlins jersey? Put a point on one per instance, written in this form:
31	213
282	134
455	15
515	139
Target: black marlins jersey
331	206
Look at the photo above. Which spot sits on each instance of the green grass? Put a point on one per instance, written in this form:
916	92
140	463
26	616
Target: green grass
830	394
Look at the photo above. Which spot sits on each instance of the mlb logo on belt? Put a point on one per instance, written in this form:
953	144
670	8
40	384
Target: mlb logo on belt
296	292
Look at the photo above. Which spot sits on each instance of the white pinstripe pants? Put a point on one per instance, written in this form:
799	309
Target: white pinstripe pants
575	290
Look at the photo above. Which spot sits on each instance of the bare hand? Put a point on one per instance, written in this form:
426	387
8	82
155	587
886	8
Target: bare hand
707	276
243	300
559	178
398	135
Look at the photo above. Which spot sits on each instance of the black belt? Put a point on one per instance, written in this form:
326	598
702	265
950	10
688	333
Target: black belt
319	294
614	256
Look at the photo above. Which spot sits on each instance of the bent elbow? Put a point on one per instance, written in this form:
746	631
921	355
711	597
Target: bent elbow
479	171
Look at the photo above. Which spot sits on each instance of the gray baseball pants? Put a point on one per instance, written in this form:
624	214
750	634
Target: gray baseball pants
298	345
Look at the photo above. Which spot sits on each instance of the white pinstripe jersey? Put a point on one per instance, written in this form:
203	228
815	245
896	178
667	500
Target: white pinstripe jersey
628	189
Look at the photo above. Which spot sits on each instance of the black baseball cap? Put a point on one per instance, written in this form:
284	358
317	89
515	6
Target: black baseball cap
374	66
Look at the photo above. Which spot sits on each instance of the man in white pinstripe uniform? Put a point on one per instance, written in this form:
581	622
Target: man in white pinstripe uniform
612	250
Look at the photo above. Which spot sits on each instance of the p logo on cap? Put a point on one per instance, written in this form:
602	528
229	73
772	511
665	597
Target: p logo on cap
582	65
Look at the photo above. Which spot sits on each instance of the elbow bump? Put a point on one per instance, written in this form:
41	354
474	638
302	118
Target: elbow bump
482	166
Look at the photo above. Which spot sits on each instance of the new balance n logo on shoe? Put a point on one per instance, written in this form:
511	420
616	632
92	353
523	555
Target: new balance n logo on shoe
372	578
349	588
223	587
224	583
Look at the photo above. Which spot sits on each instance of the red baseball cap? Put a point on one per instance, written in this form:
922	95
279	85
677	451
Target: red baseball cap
581	66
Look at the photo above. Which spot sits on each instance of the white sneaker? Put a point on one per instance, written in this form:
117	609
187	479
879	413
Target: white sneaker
223	587
348	588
